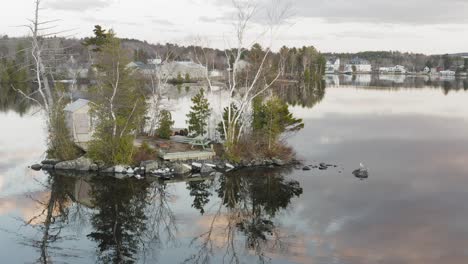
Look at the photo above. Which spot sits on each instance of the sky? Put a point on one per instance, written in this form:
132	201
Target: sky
424	26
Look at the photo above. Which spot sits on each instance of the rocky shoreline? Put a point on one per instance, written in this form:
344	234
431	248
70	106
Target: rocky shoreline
159	168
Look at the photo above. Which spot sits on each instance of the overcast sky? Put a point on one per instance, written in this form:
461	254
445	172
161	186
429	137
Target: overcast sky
427	26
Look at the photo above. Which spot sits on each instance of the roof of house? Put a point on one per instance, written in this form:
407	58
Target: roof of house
72	107
142	66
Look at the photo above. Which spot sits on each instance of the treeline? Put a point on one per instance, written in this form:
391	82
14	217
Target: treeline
412	61
303	63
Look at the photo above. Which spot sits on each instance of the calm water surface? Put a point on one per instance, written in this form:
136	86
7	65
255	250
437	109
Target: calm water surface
412	209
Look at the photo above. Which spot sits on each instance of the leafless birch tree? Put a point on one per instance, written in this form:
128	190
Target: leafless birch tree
241	92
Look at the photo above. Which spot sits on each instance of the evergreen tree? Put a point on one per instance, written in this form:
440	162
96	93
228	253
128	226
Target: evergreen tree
100	38
199	114
165	124
118	105
271	119
220	127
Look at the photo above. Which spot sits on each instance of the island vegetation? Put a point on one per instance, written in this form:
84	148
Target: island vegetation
125	102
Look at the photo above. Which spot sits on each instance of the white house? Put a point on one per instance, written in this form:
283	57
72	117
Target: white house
175	68
79	122
398	69
143	68
357	65
216	73
332	66
447	73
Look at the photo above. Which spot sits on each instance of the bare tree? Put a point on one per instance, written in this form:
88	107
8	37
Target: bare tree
242	91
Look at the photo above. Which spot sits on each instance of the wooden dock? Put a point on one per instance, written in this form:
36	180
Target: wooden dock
187	155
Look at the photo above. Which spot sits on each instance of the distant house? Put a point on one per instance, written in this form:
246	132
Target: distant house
71	69
447	73
357	65
79	122
332	66
398	69
156	61
182	68
216	73
142	67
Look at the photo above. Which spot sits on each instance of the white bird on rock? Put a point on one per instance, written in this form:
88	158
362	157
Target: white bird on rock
362	172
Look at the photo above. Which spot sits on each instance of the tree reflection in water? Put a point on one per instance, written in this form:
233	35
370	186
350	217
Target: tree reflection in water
120	219
55	213
133	219
250	200
130	219
301	95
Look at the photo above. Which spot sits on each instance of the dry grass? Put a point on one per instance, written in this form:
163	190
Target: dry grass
255	147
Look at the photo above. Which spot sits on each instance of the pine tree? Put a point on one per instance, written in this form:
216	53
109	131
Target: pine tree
199	114
165	124
118	105
273	118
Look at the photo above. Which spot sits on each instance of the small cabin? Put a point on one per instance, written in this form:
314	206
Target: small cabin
79	122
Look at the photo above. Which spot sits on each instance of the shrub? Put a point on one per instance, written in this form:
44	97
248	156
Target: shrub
165	124
144	152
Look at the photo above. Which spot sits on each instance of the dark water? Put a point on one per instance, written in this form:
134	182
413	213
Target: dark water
412	208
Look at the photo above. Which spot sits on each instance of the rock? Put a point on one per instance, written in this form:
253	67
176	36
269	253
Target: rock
150	165
50	162
66	165
258	163
306	168
181	168
101	164
119	169
36	167
108	170
130	170
210	165
322	166
218	174
197	164
48	167
80	164
278	162
94	167
230	166
83	164
361	173
206	169
220	166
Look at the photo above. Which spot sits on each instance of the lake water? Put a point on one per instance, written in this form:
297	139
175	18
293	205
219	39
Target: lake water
411	133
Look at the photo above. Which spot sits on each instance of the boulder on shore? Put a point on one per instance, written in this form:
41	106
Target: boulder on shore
205	169
150	165
48	167
182	168
36	167
80	164
50	162
361	173
278	162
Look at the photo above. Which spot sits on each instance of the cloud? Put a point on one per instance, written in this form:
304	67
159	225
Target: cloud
378	11
78	5
161	22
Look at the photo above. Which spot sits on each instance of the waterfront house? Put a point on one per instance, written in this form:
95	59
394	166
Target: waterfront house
79	122
398	69
332	66
182	68
447	73
146	69
357	65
